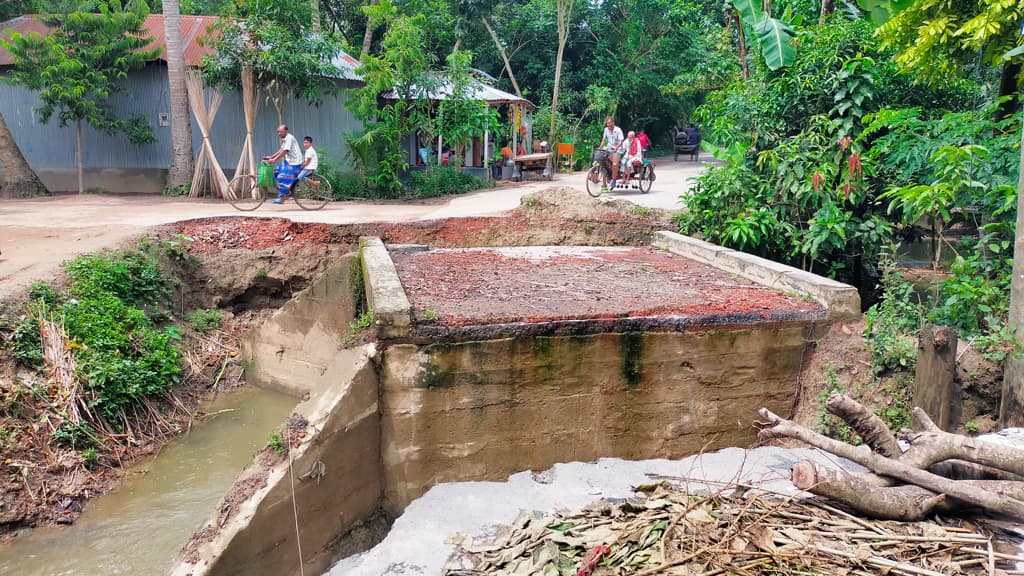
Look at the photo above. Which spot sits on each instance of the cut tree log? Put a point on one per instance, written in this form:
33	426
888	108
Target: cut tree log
935	445
907	502
871	429
776	426
877	436
862	493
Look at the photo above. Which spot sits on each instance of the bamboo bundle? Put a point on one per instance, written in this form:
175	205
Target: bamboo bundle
250	103
208	173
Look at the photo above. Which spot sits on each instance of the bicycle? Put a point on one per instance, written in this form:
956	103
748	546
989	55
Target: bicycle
600	175
311	193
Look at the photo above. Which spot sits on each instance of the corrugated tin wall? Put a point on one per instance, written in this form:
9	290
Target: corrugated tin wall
50	147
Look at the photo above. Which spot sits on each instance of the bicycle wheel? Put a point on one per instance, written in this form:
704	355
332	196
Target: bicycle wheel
313	193
646	179
595	181
244	194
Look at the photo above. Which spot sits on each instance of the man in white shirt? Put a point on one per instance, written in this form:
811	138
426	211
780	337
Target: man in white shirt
611	140
290	156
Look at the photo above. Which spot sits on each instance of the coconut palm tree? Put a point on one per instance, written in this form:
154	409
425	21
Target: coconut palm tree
181	123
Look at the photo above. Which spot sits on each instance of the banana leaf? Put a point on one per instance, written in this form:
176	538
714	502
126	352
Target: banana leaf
880	11
776	39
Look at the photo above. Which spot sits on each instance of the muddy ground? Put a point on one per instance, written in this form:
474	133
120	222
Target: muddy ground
251	266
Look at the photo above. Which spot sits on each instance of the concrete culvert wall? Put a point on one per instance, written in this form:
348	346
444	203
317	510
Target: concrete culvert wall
335	437
483	410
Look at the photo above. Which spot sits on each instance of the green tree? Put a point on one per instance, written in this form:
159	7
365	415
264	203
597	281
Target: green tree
275	38
80	65
461	116
404	69
563	14
938	39
774	36
12	8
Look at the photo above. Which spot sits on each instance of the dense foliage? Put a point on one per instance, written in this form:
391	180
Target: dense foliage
112	313
276	40
834	160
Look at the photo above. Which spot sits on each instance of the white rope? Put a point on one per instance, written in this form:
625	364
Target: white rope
295	507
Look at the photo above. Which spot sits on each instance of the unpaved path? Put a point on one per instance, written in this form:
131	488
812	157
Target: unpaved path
36	235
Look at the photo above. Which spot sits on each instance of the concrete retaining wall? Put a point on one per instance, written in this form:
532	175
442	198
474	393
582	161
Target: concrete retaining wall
483	410
256	534
291	351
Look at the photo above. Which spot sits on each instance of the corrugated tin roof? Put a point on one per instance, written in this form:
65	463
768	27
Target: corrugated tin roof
194	30
478	89
348	66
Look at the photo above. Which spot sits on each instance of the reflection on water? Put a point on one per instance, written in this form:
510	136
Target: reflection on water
140	528
919	254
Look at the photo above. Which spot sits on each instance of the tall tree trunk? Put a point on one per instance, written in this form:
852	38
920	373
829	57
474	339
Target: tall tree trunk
1008	90
182	164
504	56
827	7
78	143
368	35
564	13
19	178
315	6
742	46
1011	411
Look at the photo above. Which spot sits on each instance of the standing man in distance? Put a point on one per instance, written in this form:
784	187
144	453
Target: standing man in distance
290	155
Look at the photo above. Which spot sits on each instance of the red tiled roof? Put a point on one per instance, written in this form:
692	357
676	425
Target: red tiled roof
193	28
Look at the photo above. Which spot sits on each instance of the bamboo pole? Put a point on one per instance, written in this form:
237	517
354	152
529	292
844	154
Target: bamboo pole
208	174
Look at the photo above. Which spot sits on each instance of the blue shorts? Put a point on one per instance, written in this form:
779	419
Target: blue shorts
305	172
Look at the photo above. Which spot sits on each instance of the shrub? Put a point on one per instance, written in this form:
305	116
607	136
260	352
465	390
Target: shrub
204	320
440	181
893	324
121	354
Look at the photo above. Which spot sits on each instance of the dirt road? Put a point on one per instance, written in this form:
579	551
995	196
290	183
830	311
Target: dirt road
36	235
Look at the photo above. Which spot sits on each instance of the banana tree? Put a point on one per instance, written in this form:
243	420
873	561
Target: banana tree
880	11
774	36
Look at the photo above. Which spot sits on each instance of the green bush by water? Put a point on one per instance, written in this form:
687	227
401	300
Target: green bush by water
111	311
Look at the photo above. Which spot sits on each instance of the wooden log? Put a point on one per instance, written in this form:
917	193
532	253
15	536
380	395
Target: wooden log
776	426
957	469
934	445
871	429
936	367
906	502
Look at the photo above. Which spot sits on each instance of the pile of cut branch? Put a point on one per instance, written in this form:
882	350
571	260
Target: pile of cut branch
939	472
668	530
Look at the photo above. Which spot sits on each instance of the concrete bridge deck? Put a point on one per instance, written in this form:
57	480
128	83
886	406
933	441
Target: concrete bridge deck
458	291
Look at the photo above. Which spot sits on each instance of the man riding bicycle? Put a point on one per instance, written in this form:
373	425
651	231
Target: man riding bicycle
611	140
291	157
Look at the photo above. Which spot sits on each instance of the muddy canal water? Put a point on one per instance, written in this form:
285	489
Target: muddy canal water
140	528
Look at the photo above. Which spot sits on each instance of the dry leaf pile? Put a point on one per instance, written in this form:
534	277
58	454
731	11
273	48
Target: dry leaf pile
667	530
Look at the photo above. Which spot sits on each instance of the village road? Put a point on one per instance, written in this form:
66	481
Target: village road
36	235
